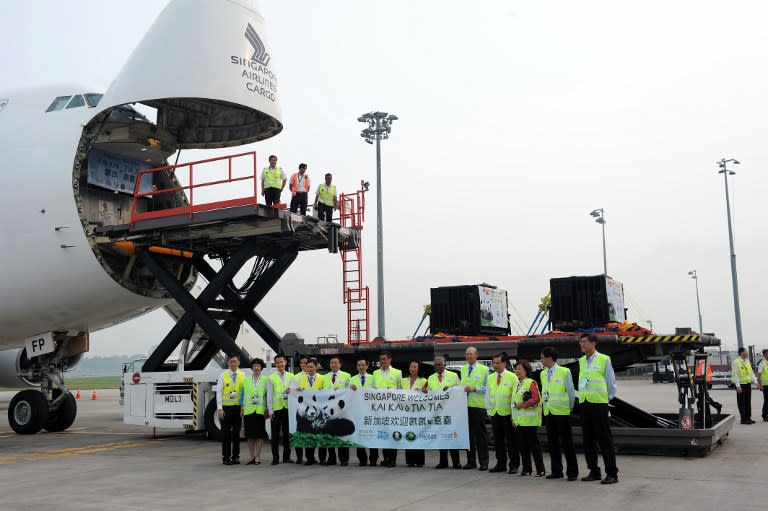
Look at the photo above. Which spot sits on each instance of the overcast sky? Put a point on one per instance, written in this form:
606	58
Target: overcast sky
516	120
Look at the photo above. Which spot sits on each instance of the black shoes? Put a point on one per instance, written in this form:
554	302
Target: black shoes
573	478
299	460
591	477
289	460
483	468
441	465
555	476
512	470
227	462
309	462
610	480
363	463
275	462
750	421
469	466
236	461
344	463
457	466
525	473
252	462
497	469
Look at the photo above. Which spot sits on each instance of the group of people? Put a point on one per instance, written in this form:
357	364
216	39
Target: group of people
516	403
743	377
273	181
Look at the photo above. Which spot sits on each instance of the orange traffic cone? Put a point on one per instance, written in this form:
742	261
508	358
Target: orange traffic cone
94	397
77	396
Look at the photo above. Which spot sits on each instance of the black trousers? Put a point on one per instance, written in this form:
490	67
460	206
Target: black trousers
324	212
744	402
280	427
366	459
596	429
389	455
230	432
272	195
765	400
455	460
343	454
506	447
529	446
310	452
478	436
414	457
560	443
299	201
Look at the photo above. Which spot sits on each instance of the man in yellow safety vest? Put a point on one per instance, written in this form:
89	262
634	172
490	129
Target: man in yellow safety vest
278	384
387	377
762	383
558	394
272	181
743	377
336	379
229	391
310	380
363	380
498	397
440	381
326	200
474	378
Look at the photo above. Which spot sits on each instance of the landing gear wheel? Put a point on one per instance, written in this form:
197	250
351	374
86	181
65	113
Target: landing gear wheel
212	422
28	412
63	417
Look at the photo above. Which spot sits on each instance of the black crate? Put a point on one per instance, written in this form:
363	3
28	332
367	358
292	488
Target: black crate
456	310
582	302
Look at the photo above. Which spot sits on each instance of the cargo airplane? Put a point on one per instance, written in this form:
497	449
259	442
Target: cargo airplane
71	156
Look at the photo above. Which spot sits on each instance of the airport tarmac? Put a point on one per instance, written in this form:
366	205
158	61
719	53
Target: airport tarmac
101	463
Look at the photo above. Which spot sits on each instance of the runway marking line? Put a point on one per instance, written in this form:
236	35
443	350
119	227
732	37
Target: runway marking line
75	451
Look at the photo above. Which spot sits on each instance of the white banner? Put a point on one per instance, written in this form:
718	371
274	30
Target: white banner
493	307
389	419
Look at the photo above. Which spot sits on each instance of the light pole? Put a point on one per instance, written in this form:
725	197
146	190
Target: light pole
695	276
379	128
725	172
599	215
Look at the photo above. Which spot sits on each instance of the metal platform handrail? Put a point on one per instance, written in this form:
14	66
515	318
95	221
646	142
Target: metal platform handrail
191	208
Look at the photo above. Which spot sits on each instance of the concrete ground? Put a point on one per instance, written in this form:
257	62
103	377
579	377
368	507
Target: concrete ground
101	463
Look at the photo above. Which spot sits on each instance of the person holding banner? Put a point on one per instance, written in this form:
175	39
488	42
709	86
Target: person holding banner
278	384
526	415
363	380
440	381
387	377
501	386
473	378
303	370
336	380
414	457
253	407
310	380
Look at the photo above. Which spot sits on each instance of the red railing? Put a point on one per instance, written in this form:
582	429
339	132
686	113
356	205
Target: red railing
195	183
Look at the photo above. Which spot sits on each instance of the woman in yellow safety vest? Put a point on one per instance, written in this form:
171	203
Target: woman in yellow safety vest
253	406
526	416
414	457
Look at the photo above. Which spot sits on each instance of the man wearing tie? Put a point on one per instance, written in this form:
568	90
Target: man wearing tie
387	377
498	397
229	390
440	381
311	381
558	395
336	380
278	384
363	380
473	379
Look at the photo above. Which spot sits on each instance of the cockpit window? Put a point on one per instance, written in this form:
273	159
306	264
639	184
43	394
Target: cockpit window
77	101
93	99
58	103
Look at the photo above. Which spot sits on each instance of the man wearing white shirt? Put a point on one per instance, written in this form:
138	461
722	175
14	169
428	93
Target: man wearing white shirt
558	396
229	390
278	384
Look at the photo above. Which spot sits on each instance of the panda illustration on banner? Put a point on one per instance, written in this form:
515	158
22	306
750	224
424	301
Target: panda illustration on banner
313	416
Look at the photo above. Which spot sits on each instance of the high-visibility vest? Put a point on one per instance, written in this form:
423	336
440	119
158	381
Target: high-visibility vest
500	394
228	387
342	381
326	194
700	369
476	379
593	387
273	178
295	183
303	383
764	374
390	381
357	381
530	416
742	373
279	402
255	395
554	393
450	379
405	383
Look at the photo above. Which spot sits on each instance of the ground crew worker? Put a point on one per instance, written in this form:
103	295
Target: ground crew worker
278	384
363	380
498	402
700	372
743	377
229	390
597	386
311	381
325	199
414	457
272	182
299	189
762	383
336	380
558	395
526	416
387	377
440	381
473	379
254	404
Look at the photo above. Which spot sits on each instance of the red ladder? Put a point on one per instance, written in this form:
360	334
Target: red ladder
355	295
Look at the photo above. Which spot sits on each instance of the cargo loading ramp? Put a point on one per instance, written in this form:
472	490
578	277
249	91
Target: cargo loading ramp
233	231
